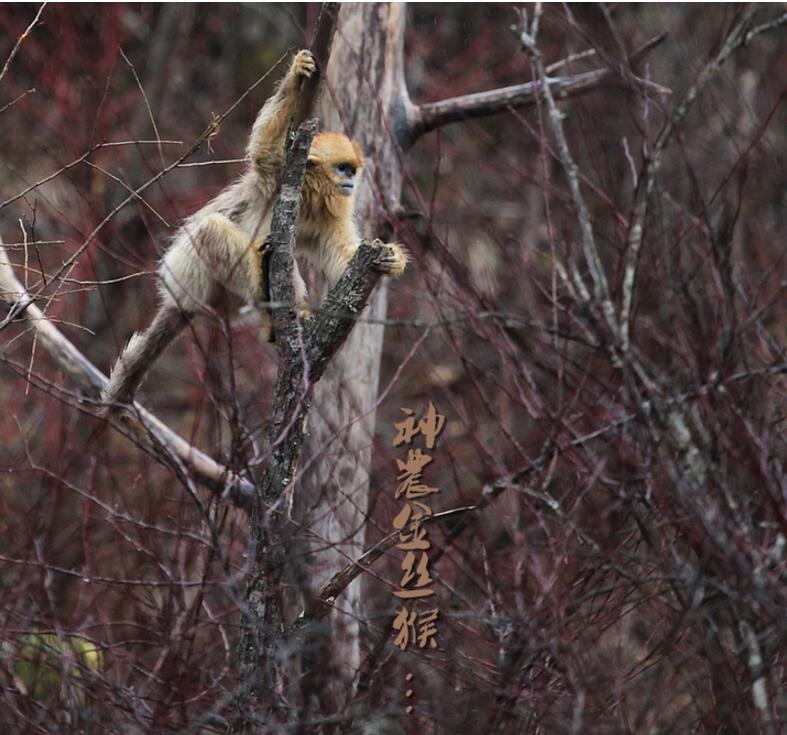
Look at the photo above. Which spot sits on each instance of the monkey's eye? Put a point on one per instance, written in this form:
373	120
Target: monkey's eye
346	168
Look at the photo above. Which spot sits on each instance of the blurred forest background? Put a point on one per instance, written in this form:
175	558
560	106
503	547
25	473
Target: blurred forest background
628	574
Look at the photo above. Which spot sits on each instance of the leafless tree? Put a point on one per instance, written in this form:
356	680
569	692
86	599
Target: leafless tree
595	301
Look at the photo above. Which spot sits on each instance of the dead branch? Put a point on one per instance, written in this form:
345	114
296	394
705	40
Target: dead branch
429	116
737	38
589	248
321	50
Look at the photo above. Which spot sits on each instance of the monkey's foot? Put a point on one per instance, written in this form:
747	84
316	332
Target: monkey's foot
392	259
303	65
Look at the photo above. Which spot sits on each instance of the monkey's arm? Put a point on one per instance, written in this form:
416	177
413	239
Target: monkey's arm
266	144
210	251
337	248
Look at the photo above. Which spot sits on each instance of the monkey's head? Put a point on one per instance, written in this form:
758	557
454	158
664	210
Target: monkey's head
334	165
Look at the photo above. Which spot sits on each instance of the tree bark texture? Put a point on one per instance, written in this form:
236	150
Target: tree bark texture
269	642
364	96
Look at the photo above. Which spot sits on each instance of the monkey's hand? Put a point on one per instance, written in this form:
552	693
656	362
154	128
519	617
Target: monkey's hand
392	259
302	67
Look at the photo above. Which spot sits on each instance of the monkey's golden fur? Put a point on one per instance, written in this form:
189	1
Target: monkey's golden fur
219	247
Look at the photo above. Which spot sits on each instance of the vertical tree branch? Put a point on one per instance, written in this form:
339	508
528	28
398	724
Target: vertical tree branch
595	266
301	359
321	50
366	98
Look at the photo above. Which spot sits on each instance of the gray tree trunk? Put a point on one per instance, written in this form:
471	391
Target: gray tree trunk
364	95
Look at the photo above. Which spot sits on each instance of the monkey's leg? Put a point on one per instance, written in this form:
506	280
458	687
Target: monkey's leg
301	292
267	332
209	253
236	262
206	253
140	353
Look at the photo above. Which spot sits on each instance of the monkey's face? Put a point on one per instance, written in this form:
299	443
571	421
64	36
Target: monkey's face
335	162
344	175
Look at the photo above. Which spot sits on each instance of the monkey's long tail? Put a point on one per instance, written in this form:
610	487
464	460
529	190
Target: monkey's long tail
142	350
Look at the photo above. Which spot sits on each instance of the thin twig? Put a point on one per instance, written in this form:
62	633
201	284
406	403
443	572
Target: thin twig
737	37
590	250
147	104
19	41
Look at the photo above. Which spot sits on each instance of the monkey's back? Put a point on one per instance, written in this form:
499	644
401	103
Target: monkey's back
215	248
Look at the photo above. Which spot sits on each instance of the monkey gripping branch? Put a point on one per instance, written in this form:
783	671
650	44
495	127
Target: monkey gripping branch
304	350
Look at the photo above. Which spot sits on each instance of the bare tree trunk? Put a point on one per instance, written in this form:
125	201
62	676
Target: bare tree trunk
364	95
